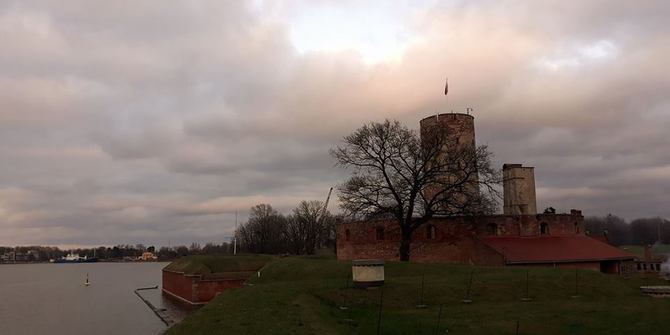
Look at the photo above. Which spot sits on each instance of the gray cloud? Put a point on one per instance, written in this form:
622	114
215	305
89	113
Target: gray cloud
129	123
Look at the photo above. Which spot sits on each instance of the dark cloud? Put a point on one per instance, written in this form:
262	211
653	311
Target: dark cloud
129	123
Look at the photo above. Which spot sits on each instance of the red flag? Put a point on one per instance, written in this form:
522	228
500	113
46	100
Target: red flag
446	87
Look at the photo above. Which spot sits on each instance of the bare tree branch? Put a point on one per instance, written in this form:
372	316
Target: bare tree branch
412	178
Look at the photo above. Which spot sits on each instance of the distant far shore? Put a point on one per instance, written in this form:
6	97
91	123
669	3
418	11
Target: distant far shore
99	261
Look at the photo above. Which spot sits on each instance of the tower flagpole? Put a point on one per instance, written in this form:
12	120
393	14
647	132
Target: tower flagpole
446	92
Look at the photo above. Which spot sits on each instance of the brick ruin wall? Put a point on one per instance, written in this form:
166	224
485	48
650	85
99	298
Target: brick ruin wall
453	239
195	289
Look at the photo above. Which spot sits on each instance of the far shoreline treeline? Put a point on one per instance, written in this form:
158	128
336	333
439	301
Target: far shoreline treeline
643	231
118	253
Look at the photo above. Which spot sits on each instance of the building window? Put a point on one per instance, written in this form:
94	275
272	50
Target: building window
576	228
492	229
379	233
430	232
544	228
347	235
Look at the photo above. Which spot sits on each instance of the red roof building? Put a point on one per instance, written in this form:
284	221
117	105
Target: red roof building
553	240
566	250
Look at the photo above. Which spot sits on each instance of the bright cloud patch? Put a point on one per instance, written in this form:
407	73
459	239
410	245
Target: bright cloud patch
578	56
378	33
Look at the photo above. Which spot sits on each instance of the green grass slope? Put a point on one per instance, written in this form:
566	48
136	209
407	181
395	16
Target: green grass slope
303	296
206	265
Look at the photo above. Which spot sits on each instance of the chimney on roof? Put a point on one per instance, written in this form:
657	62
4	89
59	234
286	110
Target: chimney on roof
519	190
647	253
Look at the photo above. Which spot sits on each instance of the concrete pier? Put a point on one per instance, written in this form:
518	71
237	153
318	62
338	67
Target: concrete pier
158	311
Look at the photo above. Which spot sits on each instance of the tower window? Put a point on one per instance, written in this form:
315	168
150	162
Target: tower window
576	228
430	232
379	233
492	229
523	209
544	228
347	235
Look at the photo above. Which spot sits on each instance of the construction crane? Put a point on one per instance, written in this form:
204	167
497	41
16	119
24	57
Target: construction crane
235	236
325	206
325	209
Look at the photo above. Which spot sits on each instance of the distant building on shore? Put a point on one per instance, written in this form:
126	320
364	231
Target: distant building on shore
20	257
148	256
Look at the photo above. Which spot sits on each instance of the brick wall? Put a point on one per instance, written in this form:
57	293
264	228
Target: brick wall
206	290
179	285
195	289
595	266
450	239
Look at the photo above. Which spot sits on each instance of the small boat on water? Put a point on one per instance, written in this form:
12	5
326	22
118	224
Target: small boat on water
75	258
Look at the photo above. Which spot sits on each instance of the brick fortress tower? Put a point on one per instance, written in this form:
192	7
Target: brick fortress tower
458	132
459	127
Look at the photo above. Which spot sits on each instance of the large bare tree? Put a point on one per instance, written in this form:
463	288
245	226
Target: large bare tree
412	178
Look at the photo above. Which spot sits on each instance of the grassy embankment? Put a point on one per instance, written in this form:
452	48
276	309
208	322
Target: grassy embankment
302	296
225	266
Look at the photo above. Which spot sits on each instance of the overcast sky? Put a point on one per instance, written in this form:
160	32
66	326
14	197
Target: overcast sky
154	121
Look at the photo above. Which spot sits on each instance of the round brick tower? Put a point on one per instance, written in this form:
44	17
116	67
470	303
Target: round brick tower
459	130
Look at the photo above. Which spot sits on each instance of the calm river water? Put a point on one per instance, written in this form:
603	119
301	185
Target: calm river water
51	299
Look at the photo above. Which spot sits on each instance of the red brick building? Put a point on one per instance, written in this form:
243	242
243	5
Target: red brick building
518	237
556	240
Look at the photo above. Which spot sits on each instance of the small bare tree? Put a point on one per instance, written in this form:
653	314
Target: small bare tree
306	228
264	233
412	178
